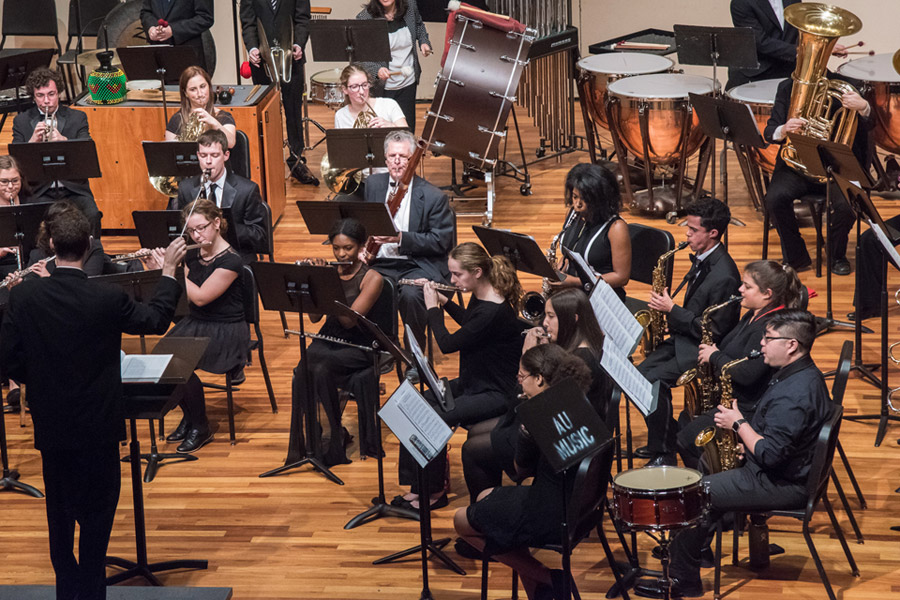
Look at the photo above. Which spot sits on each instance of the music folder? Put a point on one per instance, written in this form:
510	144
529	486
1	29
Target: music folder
415	423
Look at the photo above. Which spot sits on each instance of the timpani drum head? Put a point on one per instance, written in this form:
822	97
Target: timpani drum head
757	92
661	86
877	68
625	63
657	478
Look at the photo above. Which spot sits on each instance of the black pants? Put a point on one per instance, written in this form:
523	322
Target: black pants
788	185
689	428
868	269
661	366
332	366
745	489
411	299
84	201
193	404
82	486
406	98
292	99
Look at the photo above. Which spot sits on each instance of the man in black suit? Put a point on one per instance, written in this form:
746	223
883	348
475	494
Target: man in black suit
61	335
788	184
776	40
186	21
426	226
43	86
227	190
277	17
712	279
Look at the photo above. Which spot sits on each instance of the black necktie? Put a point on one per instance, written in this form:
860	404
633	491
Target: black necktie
691	274
212	193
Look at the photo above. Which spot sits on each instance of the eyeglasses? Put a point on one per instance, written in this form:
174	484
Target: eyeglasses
358	86
397	158
9	182
200	229
770	338
520	377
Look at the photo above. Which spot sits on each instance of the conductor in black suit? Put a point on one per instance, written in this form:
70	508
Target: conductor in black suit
712	279
61	335
227	190
278	18
187	20
43	86
426	226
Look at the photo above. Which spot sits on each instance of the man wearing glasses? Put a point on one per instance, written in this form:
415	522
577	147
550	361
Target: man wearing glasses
778	446
425	227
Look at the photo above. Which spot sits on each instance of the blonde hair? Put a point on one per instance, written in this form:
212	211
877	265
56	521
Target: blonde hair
497	269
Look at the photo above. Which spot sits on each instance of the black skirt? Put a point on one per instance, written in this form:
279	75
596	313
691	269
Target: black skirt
228	342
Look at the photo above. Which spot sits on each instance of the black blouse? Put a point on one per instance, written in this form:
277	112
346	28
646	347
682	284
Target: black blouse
592	242
229	307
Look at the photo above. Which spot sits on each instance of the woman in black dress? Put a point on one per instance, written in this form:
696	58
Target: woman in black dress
333	365
213	279
767	288
489	342
13	191
507	520
594	228
195	88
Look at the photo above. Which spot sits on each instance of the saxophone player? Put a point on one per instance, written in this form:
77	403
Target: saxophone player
778	442
711	280
767	288
362	111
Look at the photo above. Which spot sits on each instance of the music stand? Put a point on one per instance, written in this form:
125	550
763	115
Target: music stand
349	40
301	289
141	400
521	250
10	477
382	344
157	228
165	63
714	46
171	159
320	216
15	65
19	225
824	159
57	161
357	148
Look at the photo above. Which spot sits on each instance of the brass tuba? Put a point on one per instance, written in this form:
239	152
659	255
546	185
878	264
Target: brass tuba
653	321
190	132
813	94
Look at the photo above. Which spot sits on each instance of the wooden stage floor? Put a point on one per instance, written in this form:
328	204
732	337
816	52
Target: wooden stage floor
283	537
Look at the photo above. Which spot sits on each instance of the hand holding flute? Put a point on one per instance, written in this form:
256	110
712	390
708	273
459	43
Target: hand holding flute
535	337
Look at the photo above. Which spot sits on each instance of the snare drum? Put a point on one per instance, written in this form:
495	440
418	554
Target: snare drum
325	88
883	93
659	498
760	97
663	98
598	71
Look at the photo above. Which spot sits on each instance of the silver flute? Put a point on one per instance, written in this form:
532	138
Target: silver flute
145	253
16	275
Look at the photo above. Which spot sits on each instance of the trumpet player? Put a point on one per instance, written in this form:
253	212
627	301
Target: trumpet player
362	111
227	189
46	121
712	279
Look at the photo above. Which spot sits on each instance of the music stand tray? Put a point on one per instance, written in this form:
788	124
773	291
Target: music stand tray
357	148
521	250
349	40
19	225
320	216
726	119
50	161
716	46
157	228
145	62
171	159
821	155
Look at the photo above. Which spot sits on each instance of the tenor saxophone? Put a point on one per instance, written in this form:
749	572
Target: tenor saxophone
723	454
533	303
653	320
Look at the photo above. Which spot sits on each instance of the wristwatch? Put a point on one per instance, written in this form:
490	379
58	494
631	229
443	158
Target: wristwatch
737	424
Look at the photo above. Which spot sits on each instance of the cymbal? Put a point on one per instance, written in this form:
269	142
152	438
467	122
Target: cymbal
89	59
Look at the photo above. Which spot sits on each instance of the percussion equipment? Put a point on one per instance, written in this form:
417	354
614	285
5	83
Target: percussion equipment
882	90
760	97
325	88
598	71
277	53
659	498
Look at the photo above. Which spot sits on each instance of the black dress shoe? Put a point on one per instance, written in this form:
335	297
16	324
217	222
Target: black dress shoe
441	502
852	316
644	452
804	265
195	440
180	432
654	588
841	266
467	550
238	377
301	173
663	460
707	556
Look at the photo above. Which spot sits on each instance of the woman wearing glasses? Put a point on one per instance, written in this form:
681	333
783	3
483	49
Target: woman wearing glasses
362	111
213	280
11	194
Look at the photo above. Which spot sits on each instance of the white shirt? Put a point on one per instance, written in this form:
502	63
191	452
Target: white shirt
385	108
401	56
401	222
778	7
220	182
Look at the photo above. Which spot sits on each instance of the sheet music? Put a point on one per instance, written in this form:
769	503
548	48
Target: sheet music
885	243
632	383
144	368
615	319
415	423
435	384
585	267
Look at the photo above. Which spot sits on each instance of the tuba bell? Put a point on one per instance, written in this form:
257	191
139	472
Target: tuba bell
279	59
813	94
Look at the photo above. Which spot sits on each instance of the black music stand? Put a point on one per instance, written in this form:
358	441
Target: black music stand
716	46
825	159
19	225
349	40
521	250
157	228
862	204
171	159
165	63
51	161
15	65
320	216
10	477
301	289
141	400
357	148
382	344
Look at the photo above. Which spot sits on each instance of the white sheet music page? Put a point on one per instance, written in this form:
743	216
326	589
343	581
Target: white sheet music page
615	319
430	376
885	243
415	423
144	368
632	383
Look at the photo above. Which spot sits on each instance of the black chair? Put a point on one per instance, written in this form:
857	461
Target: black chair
92	14
585	513
817	486
36	18
239	155
653	243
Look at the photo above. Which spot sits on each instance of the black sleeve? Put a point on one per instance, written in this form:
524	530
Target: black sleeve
301	23
174	123
152	318
248	24
250	226
201	20
779	111
225	118
12	350
471	335
148	19
742	15
456	312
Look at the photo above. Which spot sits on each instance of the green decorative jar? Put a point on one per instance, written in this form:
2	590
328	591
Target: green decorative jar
107	83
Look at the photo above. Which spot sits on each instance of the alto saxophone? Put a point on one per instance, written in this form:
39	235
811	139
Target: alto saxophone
653	320
533	303
723	454
699	390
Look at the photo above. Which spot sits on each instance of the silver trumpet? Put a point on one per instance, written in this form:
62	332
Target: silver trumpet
49	124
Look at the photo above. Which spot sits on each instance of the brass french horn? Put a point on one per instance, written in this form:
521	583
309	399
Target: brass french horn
190	132
346	181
